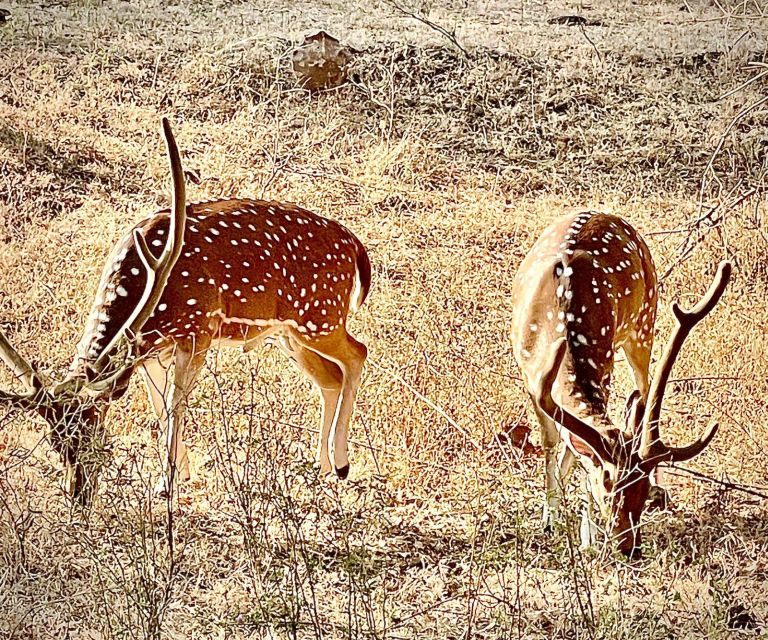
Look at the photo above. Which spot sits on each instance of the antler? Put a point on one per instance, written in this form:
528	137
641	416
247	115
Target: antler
21	368
158	269
577	427
651	446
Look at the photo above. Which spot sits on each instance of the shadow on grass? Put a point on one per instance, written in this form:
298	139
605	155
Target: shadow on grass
57	178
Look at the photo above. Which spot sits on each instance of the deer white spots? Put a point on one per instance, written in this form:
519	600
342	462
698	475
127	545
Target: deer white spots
221	276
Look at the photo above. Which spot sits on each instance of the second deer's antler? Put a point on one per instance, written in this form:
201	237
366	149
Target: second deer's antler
651	445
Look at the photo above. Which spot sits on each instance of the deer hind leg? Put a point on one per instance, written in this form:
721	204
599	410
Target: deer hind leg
349	354
328	379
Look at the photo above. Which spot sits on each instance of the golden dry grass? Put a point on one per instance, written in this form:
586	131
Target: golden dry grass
447	169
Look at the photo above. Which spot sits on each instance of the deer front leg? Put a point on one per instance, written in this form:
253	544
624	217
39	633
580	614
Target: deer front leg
551	506
550	439
160	387
169	397
177	458
588	530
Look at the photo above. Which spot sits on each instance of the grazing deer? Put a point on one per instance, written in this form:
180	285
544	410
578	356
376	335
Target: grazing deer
586	289
230	272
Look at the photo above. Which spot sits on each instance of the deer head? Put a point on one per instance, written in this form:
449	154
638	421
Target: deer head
74	407
621	462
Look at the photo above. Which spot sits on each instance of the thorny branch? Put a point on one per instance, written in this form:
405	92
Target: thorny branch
723	483
711	216
451	35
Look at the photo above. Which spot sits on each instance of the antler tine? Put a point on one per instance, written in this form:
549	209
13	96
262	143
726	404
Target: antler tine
21	368
686	321
544	399
158	269
664	453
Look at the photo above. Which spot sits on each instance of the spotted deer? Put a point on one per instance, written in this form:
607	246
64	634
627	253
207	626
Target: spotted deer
229	272
586	289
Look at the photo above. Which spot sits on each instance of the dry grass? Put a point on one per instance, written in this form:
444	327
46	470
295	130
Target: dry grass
447	168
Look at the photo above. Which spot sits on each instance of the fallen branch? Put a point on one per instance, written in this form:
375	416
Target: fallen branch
451	35
753	491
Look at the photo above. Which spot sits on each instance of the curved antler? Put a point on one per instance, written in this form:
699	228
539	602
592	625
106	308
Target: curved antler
579	428
651	446
158	269
21	368
664	453
23	371
635	409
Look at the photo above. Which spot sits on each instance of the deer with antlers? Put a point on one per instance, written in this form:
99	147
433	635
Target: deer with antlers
586	289
228	272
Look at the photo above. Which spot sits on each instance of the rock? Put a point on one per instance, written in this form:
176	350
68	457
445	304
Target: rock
321	62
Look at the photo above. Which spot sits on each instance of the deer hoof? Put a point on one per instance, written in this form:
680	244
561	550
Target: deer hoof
322	468
342	472
162	489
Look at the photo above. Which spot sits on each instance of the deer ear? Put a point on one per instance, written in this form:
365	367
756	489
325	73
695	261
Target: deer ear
581	447
634	410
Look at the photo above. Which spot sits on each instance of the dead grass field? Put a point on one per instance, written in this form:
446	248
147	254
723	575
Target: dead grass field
447	168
